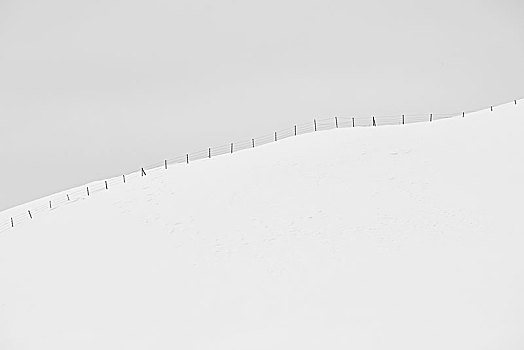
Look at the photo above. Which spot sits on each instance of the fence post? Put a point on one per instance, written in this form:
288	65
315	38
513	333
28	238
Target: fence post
187	158
67	196
105	181
295	130
515	101
402	119
31	216
353	119
124	178
315	122
50	205
209	152
492	108
87	190
431	117
374	124
231	147
12	222
336	122
275	135
143	172
165	164
253	142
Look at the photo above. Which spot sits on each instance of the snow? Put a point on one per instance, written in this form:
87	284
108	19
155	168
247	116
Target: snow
393	237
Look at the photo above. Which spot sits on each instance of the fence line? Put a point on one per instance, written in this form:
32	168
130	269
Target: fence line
63	198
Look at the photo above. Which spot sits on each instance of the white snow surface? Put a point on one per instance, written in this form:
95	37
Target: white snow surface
395	237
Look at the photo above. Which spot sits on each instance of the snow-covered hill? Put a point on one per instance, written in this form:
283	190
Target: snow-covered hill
396	237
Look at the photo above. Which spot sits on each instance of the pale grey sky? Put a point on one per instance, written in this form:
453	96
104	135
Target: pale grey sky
94	89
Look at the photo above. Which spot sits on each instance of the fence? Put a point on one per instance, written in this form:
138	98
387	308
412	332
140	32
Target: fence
57	200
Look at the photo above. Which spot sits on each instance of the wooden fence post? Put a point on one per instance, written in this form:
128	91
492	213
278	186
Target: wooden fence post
209	152
124	178
67	196
253	142
336	122
275	135
31	216
353	119
231	147
143	172
402	119
105	181
492	108
295	130
374	124
50	205
463	114
431	117
87	190
165	164
12	222
187	158
315	122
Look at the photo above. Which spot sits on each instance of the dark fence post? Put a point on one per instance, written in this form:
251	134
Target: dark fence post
187	158
165	164
374	124
67	197
402	119
50	205
31	216
124	178
515	101
463	114
315	122
209	152
87	190
353	119
105	181
295	130
275	135
431	117
231	147
143	172
253	142
336	122
492	108
12	223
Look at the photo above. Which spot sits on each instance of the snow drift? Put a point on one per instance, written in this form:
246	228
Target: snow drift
402	237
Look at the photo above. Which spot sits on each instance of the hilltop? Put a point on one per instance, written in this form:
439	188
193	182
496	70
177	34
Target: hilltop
395	237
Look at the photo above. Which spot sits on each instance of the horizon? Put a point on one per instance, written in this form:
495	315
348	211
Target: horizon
23	212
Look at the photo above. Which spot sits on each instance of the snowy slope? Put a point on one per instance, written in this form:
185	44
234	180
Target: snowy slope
396	237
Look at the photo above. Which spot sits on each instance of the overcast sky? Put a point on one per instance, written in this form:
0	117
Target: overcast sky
94	89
